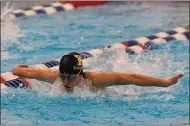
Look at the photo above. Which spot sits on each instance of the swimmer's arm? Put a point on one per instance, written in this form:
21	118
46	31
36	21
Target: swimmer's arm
104	79
142	80
46	75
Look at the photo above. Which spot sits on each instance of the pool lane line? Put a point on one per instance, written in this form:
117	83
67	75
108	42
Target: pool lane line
52	8
135	46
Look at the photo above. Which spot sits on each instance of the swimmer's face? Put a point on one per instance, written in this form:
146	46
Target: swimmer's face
70	80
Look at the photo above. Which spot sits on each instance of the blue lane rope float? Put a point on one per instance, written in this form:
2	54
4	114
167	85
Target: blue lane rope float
135	46
17	83
52	8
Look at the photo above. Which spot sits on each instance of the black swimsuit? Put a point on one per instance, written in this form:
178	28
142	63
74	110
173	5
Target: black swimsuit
83	74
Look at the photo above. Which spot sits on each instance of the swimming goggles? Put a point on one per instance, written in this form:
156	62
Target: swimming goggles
69	77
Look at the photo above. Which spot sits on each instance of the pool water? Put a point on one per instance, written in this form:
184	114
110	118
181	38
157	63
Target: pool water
38	39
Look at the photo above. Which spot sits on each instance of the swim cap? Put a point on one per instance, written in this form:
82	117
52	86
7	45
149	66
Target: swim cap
71	63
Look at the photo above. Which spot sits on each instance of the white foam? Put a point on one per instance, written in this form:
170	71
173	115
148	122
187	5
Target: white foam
5	11
9	30
118	60
165	97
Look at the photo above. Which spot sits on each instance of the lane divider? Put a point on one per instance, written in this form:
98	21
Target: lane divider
135	46
52	8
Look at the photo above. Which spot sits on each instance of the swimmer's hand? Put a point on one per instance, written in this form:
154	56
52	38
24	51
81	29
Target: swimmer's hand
18	69
173	80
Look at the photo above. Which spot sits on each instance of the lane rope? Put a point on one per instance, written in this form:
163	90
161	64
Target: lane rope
52	8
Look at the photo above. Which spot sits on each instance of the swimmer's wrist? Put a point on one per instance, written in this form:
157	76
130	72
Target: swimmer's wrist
21	65
165	83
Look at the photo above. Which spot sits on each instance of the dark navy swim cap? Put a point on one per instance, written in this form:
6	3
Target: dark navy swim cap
71	64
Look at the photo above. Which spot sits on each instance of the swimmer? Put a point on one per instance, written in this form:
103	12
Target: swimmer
71	73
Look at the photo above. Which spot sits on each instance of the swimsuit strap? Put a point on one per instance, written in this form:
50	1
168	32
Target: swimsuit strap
83	74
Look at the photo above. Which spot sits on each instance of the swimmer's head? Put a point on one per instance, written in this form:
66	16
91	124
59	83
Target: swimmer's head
71	64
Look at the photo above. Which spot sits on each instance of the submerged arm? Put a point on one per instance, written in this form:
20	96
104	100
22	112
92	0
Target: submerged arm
31	73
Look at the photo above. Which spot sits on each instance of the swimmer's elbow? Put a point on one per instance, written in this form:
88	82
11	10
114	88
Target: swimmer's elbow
18	71
26	72
123	79
42	75
34	74
15	71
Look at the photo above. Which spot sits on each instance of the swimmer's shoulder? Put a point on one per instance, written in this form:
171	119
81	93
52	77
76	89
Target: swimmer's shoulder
97	78
91	75
49	75
99	73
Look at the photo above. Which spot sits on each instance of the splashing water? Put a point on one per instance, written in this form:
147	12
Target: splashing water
9	32
5	11
117	60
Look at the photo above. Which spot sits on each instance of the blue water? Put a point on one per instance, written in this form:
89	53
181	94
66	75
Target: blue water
38	39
